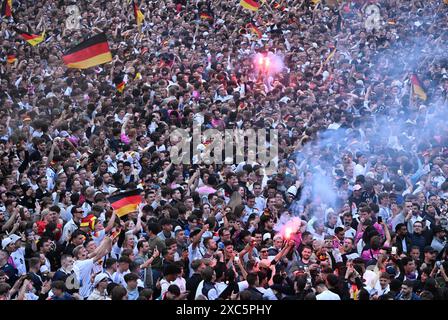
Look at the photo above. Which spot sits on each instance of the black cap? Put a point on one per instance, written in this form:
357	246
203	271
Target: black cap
194	232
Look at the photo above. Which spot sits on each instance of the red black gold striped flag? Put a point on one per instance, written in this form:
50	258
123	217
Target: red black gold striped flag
120	82
115	233
11	58
89	53
254	29
7	8
120	86
279	6
417	88
205	16
252	5
32	39
88	221
139	17
125	202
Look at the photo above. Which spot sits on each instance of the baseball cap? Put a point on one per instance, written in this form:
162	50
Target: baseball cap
391	270
357	187
194	232
98	278
266	236
6	242
14	237
178	228
292	190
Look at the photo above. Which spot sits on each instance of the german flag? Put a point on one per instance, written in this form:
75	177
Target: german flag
32	39
115	233
254	30
11	58
252	5
120	86
125	202
417	89
120	82
7	8
205	16
88	221
89	53
278	6
139	17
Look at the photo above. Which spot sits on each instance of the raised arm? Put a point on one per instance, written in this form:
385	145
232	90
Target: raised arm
197	238
111	223
104	248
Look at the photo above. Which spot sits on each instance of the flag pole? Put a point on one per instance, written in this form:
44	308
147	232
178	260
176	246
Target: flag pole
411	93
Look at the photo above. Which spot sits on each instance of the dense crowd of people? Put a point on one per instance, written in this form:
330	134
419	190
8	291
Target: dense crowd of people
355	210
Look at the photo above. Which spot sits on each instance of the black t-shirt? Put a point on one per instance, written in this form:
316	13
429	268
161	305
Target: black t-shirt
35	156
192	284
11	272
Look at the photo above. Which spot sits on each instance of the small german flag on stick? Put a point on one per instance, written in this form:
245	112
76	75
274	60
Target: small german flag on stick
11	58
125	202
90	53
254	30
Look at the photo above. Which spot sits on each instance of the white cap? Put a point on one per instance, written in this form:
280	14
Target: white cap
178	228
98	278
357	187
14	237
6	242
44	269
292	190
266	236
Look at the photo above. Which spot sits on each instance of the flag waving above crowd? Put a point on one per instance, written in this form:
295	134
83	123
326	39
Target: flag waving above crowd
32	39
91	52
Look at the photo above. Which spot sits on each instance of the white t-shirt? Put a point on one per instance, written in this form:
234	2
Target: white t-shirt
268	294
83	270
242	285
194	254
181	283
327	295
220	286
18	257
118	277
